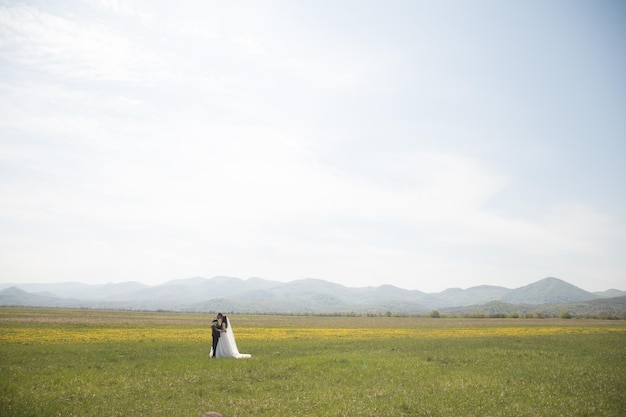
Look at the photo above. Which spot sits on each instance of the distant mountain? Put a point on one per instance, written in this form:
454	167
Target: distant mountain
14	296
547	291
474	295
256	295
599	307
79	290
611	306
612	293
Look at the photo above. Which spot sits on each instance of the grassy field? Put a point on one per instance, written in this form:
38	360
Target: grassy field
103	363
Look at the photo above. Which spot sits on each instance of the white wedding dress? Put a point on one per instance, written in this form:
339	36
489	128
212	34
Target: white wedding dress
226	346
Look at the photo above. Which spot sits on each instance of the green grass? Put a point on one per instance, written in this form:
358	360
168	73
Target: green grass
579	374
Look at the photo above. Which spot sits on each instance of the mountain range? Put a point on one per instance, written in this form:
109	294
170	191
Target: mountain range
256	295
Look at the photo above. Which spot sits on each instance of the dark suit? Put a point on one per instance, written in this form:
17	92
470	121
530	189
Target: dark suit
215	326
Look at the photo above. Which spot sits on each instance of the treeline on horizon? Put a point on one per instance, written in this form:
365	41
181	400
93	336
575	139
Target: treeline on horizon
434	314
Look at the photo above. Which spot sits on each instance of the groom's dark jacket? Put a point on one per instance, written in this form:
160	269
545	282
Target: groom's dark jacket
215	333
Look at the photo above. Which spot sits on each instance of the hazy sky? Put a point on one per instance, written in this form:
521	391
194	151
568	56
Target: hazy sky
423	144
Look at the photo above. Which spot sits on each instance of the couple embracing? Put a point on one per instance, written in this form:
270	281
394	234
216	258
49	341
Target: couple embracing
224	345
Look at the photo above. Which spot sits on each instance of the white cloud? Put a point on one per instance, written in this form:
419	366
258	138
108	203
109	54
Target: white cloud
155	142
69	48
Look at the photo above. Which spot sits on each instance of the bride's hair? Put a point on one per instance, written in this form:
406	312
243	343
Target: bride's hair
225	319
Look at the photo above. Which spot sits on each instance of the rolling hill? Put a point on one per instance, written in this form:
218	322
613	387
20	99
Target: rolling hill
547	291
256	295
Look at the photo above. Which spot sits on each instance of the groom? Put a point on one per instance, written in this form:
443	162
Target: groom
216	330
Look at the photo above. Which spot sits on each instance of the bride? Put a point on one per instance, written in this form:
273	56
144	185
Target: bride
226	346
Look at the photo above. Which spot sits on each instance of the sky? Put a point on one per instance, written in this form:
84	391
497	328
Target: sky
421	144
